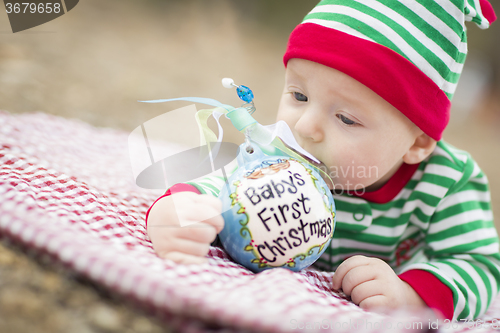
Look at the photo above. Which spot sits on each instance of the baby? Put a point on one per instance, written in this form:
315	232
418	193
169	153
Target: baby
367	91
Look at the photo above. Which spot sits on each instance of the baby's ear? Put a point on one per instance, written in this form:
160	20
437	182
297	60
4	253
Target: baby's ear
422	147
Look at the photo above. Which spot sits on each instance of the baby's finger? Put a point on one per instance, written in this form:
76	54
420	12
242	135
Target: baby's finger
365	290
215	219
376	303
186	259
192	212
204	214
345	267
356	277
200	232
184	246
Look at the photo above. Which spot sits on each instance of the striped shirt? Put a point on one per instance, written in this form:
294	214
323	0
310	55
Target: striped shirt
440	222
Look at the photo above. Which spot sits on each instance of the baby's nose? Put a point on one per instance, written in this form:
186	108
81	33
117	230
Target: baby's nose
310	126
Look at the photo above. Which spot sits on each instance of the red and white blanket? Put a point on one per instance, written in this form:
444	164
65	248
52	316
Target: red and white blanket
67	191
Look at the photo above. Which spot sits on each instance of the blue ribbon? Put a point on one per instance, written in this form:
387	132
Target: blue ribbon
202	100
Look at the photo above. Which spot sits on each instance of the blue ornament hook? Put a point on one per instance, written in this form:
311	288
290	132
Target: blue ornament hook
244	93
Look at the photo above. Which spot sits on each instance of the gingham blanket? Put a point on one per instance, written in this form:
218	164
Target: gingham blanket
67	191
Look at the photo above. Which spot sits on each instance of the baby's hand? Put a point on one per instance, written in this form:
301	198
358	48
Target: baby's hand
183	225
373	285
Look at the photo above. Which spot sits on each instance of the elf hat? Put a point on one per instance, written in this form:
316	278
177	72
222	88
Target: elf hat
411	53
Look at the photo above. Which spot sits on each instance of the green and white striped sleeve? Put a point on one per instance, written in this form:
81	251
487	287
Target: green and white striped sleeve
462	244
212	184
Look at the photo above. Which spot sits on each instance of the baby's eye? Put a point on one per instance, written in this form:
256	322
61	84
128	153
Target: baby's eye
346	120
300	97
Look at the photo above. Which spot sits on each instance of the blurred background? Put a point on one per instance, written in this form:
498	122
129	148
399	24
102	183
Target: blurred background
98	60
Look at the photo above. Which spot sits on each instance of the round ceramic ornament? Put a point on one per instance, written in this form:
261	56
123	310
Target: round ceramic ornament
278	212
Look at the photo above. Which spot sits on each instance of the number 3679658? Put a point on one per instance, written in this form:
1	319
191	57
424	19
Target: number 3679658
27	7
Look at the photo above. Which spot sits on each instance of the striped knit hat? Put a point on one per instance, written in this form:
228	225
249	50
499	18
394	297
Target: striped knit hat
411	53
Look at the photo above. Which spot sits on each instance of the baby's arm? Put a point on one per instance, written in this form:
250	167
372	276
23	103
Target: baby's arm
462	245
182	226
461	275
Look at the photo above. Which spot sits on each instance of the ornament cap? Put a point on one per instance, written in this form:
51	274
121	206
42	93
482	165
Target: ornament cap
228	83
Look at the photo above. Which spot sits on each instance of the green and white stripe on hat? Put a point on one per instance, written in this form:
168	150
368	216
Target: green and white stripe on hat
409	52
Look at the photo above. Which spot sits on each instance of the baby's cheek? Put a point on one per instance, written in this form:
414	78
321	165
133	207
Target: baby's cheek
361	173
287	117
361	177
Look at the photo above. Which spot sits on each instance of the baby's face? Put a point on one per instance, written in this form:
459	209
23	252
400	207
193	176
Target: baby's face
358	136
